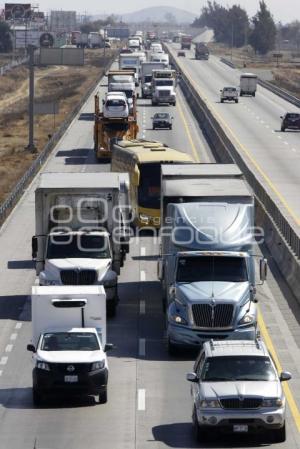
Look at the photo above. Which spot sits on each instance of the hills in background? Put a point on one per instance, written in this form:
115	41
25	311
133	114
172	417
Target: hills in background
160	14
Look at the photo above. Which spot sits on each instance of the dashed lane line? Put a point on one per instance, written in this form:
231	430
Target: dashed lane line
141	400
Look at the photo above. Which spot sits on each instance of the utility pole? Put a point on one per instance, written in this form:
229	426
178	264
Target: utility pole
232	40
31	147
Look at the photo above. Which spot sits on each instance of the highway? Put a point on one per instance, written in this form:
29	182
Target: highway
254	127
149	404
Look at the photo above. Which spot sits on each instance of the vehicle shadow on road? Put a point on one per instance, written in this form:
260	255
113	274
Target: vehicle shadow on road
11	307
21	265
180	435
21	398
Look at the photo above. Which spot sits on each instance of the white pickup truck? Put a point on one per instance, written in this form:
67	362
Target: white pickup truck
229	94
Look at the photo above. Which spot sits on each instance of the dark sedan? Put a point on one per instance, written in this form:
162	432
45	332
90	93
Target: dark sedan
291	120
162	120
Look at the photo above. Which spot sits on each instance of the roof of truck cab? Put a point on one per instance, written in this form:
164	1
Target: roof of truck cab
151	151
201	171
78	181
205	188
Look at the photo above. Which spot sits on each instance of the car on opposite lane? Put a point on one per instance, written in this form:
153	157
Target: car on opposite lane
162	120
290	120
236	388
181	53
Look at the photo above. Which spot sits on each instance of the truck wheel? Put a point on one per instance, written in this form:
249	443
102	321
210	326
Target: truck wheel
174	104
200	435
222	101
241	94
153	127
279	435
253	95
36	397
170	126
283	129
103	396
236	101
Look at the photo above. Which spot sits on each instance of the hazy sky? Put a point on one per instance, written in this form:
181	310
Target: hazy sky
283	10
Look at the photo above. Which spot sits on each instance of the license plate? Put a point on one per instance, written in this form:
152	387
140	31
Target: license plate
240	428
71	379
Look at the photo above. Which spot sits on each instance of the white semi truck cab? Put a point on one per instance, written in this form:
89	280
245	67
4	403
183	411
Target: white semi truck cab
82	230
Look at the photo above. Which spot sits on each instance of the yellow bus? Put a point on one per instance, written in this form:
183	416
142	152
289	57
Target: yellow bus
142	160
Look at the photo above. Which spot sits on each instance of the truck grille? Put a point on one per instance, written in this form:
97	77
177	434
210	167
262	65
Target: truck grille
70	368
164	93
207	316
245	403
78	277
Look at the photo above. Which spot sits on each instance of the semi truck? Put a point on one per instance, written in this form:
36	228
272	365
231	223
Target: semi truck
201	51
69	342
186	42
206	263
107	130
81	236
163	87
146	76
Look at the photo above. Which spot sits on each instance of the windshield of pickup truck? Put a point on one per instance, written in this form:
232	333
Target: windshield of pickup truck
162	82
210	268
70	341
238	368
78	247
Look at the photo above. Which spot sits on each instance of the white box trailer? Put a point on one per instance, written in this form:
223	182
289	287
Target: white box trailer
69	341
248	84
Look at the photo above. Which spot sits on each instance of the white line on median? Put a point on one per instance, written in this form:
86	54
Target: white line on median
141	400
9	348
143	276
3	360
142	307
142	347
18	326
143	251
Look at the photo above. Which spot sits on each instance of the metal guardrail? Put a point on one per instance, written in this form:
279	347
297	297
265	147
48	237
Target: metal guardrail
290	232
271	87
20	187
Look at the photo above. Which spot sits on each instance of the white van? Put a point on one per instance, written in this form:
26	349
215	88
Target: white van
248	84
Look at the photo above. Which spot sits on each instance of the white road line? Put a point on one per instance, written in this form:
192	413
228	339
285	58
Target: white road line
286	143
1	373
18	326
13	336
142	347
9	348
141	400
143	251
293	149
143	276
279	137
3	360
267	126
142	307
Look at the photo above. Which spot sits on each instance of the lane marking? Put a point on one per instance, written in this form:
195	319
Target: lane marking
143	251
18	326
142	347
1	373
141	400
9	348
247	152
188	132
142	307
142	276
287	391
13	336
3	360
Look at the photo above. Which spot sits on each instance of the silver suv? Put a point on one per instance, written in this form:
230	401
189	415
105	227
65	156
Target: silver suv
236	388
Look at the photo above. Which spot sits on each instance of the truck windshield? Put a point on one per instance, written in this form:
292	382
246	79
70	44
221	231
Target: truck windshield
78	247
148	78
149	188
208	268
70	341
162	82
238	368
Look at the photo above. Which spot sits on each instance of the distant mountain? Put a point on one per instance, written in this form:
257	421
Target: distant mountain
160	14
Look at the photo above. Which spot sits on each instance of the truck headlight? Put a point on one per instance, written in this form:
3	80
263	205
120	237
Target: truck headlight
209	403
144	219
247	319
273	402
178	319
43	365
98	365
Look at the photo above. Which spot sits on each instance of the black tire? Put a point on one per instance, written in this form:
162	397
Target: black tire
236	101
153	127
253	94
200	434
103	396
174	104
36	397
279	435
170	127
241	94
222	101
173	350
111	309
283	129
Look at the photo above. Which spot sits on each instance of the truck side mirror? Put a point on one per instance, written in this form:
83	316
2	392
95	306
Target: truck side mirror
31	348
109	347
263	269
34	246
284	376
172	291
192	377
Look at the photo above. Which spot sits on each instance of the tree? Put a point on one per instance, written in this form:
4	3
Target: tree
238	17
263	35
5	38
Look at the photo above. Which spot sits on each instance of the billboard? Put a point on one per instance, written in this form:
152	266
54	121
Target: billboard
17	11
23	38
63	21
62	56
